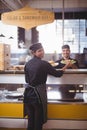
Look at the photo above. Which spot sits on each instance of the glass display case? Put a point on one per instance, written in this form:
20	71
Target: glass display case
67	99
71	87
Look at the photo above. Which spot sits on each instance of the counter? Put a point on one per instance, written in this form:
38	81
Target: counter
72	114
75	76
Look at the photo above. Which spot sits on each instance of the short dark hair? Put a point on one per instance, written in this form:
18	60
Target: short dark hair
65	46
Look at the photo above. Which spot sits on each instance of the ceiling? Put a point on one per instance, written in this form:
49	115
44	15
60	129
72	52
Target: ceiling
54	5
9	5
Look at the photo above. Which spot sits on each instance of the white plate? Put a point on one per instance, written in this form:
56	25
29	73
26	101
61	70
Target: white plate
15	94
55	64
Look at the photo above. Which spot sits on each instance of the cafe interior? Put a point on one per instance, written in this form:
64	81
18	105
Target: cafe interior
52	23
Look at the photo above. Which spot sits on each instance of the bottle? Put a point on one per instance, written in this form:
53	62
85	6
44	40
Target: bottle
55	56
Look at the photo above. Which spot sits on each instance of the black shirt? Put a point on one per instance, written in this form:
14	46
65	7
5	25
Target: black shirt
36	71
64	89
61	65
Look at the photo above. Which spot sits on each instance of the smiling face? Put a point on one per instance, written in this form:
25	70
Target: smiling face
39	53
66	53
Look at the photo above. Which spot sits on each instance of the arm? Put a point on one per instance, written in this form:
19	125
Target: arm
71	64
74	65
65	67
58	73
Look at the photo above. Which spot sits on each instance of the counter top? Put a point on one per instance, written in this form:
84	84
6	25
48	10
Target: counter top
67	71
11	72
49	101
70	76
77	71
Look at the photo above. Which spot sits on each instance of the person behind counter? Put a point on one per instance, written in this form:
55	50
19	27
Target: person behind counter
64	89
66	57
35	96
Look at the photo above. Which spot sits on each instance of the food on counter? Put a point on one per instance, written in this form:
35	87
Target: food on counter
17	67
65	61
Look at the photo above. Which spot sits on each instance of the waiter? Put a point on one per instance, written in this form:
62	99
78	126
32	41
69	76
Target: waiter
66	57
64	89
35	95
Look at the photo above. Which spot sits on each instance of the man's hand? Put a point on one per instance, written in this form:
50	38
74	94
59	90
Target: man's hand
69	64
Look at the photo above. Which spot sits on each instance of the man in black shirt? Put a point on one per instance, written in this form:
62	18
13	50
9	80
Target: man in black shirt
35	96
66	57
64	89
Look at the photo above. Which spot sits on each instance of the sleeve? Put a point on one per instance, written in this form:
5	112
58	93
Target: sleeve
52	71
26	75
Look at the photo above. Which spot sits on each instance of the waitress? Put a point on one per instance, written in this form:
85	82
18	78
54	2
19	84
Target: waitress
35	95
